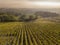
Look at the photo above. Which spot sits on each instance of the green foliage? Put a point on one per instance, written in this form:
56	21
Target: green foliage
29	33
10	18
6	18
27	18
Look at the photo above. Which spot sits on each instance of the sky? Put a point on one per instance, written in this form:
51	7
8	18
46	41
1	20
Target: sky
29	3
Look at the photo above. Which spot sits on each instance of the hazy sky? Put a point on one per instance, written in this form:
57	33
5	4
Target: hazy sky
30	3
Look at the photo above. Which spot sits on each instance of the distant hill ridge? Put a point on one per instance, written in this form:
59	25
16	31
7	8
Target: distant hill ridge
27	12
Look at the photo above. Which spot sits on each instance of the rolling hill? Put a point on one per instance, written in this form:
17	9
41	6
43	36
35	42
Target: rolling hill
28	14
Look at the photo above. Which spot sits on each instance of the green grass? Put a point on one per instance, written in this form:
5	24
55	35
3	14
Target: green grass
29	33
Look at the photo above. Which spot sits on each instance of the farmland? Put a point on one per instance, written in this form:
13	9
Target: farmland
29	33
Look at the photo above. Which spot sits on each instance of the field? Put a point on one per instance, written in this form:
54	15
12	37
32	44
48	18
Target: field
29	33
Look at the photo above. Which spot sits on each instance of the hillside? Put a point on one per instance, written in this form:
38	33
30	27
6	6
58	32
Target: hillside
29	33
27	15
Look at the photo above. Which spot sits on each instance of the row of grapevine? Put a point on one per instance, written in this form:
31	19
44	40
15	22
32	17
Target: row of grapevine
27	33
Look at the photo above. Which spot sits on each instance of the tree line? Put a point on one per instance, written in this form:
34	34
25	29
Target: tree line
13	18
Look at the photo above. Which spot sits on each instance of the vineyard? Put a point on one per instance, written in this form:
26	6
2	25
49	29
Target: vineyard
29	33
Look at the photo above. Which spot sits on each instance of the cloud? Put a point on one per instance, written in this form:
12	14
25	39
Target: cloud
26	4
30	0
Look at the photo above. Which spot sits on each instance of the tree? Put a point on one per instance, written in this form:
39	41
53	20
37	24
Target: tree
6	18
27	18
